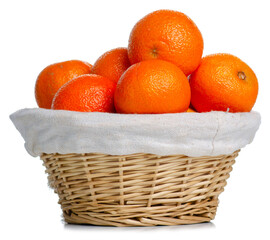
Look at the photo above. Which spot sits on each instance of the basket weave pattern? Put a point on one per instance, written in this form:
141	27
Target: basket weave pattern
137	189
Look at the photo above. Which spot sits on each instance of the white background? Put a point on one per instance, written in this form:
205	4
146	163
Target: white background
35	34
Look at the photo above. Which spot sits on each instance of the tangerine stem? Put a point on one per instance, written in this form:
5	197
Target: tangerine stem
241	75
154	52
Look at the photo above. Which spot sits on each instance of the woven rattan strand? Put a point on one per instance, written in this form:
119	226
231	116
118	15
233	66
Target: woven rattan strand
137	189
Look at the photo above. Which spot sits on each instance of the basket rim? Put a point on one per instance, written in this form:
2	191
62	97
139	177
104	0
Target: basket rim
191	134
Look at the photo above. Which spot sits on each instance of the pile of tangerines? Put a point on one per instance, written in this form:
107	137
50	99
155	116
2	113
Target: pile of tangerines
161	71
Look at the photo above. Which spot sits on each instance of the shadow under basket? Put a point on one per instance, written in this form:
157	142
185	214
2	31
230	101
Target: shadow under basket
137	189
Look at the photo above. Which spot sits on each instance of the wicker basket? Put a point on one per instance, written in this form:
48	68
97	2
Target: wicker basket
137	189
101	167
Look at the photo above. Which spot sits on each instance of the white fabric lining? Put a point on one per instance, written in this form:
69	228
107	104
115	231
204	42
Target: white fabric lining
191	134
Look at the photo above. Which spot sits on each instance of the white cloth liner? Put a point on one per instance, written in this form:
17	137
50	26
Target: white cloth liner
191	134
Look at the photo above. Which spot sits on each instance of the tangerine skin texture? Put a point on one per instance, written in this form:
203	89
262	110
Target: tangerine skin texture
219	85
86	93
153	86
54	76
167	35
112	64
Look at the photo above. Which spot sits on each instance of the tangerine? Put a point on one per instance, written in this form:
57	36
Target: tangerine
112	64
153	86
223	82
190	110
54	76
86	93
167	35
